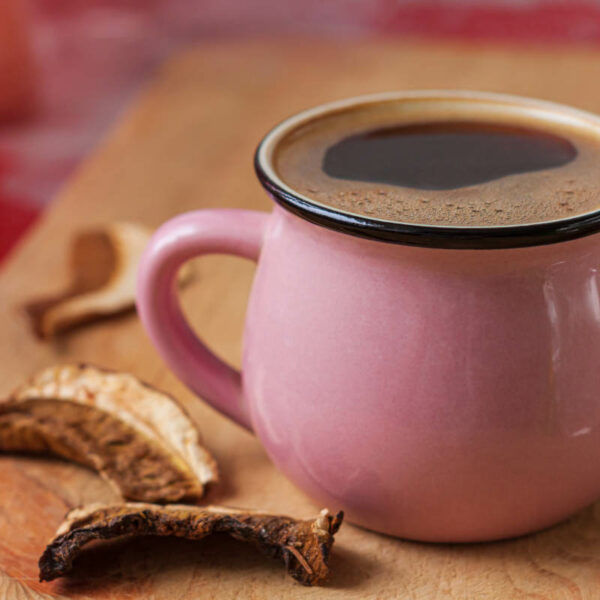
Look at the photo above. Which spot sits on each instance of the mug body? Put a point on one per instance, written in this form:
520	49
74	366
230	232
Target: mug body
436	382
434	394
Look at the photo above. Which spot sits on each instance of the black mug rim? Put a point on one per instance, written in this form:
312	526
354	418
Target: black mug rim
416	234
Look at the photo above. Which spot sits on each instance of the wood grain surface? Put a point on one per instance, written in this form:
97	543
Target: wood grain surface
188	144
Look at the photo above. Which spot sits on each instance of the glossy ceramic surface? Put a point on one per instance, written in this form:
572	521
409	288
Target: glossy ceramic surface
432	394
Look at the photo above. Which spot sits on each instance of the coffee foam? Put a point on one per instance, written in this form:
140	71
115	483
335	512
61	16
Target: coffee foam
532	197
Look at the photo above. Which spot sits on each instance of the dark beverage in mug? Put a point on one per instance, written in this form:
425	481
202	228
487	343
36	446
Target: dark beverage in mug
450	170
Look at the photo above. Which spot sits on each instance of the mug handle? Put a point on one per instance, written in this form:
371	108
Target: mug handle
218	231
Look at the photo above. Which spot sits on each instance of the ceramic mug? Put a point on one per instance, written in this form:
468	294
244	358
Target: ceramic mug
437	383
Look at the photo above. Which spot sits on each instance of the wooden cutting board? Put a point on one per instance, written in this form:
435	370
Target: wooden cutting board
188	144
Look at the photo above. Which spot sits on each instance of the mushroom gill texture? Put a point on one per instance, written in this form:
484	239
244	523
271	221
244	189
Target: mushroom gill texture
136	437
303	545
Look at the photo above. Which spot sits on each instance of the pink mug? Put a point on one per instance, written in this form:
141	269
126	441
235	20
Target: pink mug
437	383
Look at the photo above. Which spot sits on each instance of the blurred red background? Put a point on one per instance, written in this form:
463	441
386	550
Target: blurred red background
68	67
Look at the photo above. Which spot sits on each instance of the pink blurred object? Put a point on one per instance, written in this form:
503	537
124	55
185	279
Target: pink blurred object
92	56
16	63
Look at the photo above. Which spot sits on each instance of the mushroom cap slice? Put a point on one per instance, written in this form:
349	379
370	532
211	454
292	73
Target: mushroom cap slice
303	545
104	264
137	437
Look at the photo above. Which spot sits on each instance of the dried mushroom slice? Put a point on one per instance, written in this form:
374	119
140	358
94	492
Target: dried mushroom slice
104	265
303	545
138	438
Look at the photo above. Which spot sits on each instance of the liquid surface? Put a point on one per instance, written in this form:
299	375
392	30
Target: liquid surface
445	155
449	171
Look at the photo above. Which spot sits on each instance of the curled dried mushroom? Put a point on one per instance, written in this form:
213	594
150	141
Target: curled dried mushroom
104	265
138	438
303	545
